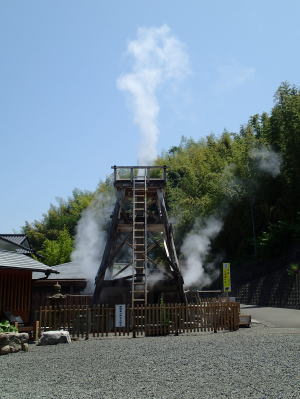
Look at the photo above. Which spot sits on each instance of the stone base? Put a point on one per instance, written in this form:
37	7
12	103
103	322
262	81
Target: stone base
55	337
13	342
245	320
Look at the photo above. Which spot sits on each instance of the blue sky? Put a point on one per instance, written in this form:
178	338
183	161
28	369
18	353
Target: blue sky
63	121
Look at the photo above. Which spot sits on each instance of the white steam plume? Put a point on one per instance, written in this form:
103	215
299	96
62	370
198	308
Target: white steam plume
158	57
90	237
267	160
194	250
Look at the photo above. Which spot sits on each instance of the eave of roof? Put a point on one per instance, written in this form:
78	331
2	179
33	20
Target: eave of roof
4	238
15	238
68	271
14	260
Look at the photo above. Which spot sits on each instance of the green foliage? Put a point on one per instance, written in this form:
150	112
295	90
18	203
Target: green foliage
64	215
57	251
52	237
5	327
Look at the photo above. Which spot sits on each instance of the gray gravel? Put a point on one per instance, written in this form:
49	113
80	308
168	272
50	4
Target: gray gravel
257	363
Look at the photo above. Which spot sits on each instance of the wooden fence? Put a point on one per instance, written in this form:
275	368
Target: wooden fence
100	320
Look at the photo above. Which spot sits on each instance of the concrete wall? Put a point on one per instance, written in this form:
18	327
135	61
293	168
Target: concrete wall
277	289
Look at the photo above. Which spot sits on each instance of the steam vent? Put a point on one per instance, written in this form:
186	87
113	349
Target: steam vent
139	263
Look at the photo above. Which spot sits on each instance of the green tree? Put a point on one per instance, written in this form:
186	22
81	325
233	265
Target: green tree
57	251
65	215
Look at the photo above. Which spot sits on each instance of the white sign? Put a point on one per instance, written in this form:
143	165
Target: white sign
120	316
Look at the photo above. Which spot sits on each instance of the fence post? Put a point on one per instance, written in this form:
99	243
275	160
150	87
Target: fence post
133	321
88	321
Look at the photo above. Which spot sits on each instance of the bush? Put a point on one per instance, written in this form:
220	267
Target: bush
5	327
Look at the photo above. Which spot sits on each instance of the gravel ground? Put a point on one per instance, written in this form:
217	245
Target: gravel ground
257	363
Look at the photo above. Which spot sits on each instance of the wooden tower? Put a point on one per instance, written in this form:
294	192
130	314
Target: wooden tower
139	263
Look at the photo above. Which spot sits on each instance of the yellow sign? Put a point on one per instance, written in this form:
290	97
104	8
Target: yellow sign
226	277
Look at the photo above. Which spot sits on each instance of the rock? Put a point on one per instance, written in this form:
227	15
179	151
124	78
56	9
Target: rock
25	346
4	339
4	350
54	338
13	342
24	337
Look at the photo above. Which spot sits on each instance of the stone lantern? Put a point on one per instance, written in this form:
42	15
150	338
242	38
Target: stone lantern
57	299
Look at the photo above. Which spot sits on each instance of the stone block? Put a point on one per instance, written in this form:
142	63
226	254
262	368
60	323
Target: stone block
54	338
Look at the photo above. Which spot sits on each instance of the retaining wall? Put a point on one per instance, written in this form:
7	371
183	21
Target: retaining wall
277	289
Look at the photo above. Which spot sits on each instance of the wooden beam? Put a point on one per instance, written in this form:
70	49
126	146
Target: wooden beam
122	270
155	228
170	244
109	244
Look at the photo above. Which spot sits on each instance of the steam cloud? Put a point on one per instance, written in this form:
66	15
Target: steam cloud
158	57
90	237
195	248
267	160
197	243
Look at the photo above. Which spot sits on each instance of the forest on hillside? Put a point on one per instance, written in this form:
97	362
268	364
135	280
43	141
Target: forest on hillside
249	180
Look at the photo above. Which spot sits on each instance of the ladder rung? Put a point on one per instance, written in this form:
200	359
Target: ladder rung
139	299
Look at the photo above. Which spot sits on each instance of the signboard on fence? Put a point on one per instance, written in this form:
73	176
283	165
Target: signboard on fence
226	277
120	315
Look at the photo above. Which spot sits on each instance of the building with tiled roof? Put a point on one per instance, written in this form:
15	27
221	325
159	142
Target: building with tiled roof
16	269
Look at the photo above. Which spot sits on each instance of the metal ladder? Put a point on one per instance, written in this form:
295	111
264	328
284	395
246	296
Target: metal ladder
139	242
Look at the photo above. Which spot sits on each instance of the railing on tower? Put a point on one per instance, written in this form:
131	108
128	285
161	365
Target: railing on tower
123	173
